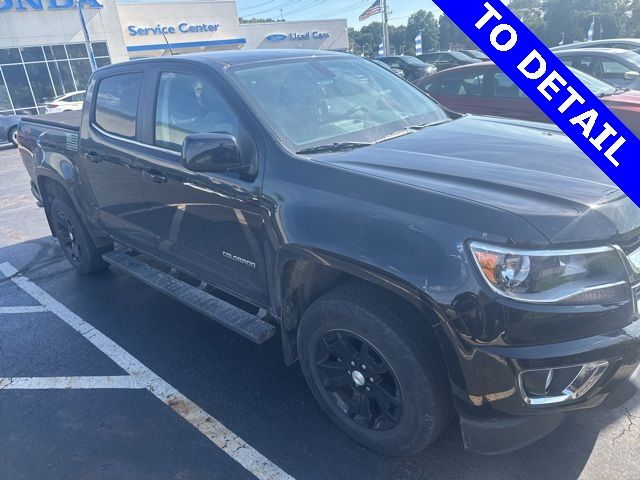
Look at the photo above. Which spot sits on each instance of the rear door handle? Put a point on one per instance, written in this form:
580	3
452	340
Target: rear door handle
93	157
154	175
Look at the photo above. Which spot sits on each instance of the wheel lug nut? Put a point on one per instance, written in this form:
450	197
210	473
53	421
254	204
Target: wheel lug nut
371	379
368	389
353	364
364	367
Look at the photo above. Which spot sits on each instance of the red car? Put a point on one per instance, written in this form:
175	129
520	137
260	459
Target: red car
483	89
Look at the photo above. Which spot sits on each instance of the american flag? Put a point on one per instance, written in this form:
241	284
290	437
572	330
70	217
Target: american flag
372	10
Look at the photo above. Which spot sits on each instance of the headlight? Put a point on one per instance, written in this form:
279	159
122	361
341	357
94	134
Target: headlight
568	277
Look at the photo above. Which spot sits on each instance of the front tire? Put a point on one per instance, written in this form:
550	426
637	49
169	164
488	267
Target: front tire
370	371
74	238
13	136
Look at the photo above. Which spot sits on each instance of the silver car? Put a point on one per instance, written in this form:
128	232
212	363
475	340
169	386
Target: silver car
9	129
632	44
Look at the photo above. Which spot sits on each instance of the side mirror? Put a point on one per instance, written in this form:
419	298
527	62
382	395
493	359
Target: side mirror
631	75
212	152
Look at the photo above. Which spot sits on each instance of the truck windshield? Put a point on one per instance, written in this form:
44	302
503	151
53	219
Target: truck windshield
314	102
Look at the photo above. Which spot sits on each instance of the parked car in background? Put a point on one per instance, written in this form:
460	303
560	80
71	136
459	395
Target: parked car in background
617	66
632	44
66	103
485	90
412	68
477	54
9	129
395	70
446	60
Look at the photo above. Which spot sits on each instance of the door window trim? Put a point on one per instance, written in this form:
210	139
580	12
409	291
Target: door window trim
92	118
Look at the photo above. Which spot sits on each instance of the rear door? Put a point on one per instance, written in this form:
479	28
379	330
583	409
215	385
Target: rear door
207	223
109	163
509	101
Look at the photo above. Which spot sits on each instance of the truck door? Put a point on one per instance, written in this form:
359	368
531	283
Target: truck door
207	223
109	161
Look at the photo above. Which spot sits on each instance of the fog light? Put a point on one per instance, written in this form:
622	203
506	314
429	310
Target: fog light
560	385
537	382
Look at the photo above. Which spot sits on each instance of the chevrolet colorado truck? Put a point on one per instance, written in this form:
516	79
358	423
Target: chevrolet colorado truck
418	264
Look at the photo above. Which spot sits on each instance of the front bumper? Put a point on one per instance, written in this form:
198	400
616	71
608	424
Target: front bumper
494	414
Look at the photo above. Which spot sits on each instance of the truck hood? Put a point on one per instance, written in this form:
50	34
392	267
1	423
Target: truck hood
529	169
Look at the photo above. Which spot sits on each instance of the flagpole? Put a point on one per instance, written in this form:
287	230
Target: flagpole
385	29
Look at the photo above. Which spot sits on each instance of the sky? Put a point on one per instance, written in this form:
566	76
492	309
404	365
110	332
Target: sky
324	9
321	9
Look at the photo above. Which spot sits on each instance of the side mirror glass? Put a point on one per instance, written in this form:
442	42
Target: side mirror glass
212	152
632	75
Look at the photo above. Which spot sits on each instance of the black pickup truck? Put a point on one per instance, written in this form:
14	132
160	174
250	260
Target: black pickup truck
417	263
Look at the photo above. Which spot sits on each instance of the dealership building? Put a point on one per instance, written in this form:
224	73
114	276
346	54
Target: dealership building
43	54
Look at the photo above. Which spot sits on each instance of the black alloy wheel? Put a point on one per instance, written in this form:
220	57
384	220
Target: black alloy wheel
359	380
68	237
373	367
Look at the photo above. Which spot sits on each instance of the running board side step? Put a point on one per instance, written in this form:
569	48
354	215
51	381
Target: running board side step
247	325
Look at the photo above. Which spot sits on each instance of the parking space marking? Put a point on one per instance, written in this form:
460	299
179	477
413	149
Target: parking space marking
11	310
213	429
63	383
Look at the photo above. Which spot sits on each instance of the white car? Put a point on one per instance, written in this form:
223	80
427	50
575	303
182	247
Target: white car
66	103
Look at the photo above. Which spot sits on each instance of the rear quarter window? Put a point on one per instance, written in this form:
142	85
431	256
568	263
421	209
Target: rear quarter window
116	105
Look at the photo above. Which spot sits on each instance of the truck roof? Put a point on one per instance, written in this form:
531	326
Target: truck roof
238	57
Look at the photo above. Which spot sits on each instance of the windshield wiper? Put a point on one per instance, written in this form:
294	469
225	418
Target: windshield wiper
334	147
411	129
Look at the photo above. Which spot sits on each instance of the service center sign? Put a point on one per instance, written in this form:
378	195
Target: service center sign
553	87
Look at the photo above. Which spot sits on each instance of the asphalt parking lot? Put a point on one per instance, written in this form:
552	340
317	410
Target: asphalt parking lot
102	377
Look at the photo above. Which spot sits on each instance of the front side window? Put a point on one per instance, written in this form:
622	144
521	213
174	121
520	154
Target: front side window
187	104
612	67
314	102
117	104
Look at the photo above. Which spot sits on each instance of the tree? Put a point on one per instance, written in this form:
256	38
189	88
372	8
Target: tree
451	35
425	22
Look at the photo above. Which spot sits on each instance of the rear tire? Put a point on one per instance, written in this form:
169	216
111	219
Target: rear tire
74	238
13	136
399	403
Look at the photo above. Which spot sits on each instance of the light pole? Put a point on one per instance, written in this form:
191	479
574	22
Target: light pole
87	41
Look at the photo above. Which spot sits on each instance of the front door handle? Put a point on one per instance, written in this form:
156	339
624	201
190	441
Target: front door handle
154	175
93	157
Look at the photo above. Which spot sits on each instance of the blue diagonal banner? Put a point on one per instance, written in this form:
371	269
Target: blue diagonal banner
553	87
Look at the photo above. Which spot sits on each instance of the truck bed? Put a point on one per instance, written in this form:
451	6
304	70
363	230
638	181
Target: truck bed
66	120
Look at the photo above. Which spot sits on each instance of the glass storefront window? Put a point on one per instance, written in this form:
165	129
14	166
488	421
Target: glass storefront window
103	62
59	52
100	49
82	72
18	86
32	54
31	76
48	52
9	55
5	102
63	71
77	51
40	82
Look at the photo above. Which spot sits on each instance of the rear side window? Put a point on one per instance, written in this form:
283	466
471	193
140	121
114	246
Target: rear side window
117	104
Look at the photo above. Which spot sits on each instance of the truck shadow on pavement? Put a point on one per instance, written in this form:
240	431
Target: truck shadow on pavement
248	388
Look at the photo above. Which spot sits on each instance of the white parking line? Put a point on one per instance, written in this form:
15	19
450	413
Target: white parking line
225	439
9	310
49	383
